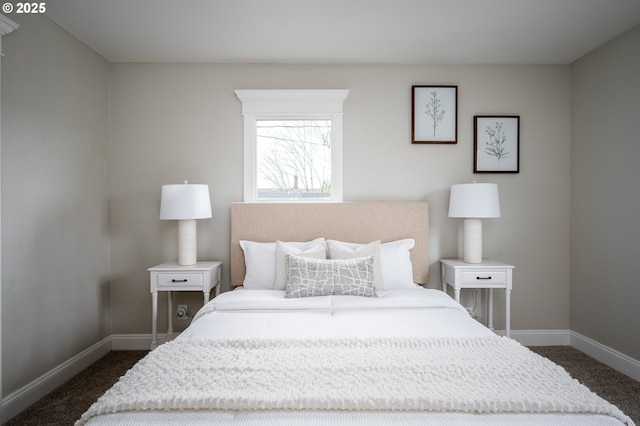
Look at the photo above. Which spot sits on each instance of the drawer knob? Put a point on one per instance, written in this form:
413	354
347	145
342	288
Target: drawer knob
179	281
483	278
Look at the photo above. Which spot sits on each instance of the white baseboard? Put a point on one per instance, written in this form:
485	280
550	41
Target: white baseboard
16	402
542	337
606	355
131	342
21	399
137	342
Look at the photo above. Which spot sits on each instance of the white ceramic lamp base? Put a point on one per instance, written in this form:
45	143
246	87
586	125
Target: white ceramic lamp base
187	242
473	241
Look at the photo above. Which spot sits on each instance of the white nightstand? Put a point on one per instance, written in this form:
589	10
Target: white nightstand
488	274
203	276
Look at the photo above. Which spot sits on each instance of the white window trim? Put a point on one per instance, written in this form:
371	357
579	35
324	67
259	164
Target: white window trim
292	104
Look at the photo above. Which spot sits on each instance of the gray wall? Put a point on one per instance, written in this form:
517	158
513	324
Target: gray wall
605	202
55	230
171	122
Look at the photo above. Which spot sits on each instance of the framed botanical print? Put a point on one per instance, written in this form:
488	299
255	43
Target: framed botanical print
496	144
434	116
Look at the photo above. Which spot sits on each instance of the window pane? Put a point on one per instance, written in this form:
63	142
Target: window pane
293	159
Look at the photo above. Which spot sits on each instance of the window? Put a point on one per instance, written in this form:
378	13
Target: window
293	159
292	144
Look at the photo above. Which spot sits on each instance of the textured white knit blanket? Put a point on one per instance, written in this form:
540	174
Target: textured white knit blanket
472	375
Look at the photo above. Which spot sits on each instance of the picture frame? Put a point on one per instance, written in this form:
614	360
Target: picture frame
496	144
434	114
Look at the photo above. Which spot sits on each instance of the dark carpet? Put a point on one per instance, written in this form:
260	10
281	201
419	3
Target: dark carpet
617	388
67	403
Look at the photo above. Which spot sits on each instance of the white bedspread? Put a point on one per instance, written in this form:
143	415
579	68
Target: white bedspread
262	314
252	357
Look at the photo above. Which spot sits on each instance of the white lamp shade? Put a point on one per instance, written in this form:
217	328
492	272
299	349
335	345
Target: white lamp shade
474	200
185	201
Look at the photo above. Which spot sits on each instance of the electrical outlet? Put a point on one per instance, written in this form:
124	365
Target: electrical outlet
182	312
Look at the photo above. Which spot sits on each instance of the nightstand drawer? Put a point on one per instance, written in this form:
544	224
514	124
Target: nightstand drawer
176	280
485	276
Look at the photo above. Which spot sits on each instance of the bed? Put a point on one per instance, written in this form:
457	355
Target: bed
352	339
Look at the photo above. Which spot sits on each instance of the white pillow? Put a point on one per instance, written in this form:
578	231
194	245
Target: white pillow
313	251
395	259
260	262
394	262
342	250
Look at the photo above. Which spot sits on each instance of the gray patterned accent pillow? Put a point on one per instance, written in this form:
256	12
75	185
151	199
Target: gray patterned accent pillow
313	277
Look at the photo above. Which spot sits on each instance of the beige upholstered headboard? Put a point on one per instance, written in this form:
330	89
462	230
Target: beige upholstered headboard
357	222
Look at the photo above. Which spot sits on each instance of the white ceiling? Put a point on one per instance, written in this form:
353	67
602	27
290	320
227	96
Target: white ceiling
345	31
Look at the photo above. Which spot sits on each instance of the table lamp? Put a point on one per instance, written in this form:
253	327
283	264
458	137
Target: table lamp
185	203
473	202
